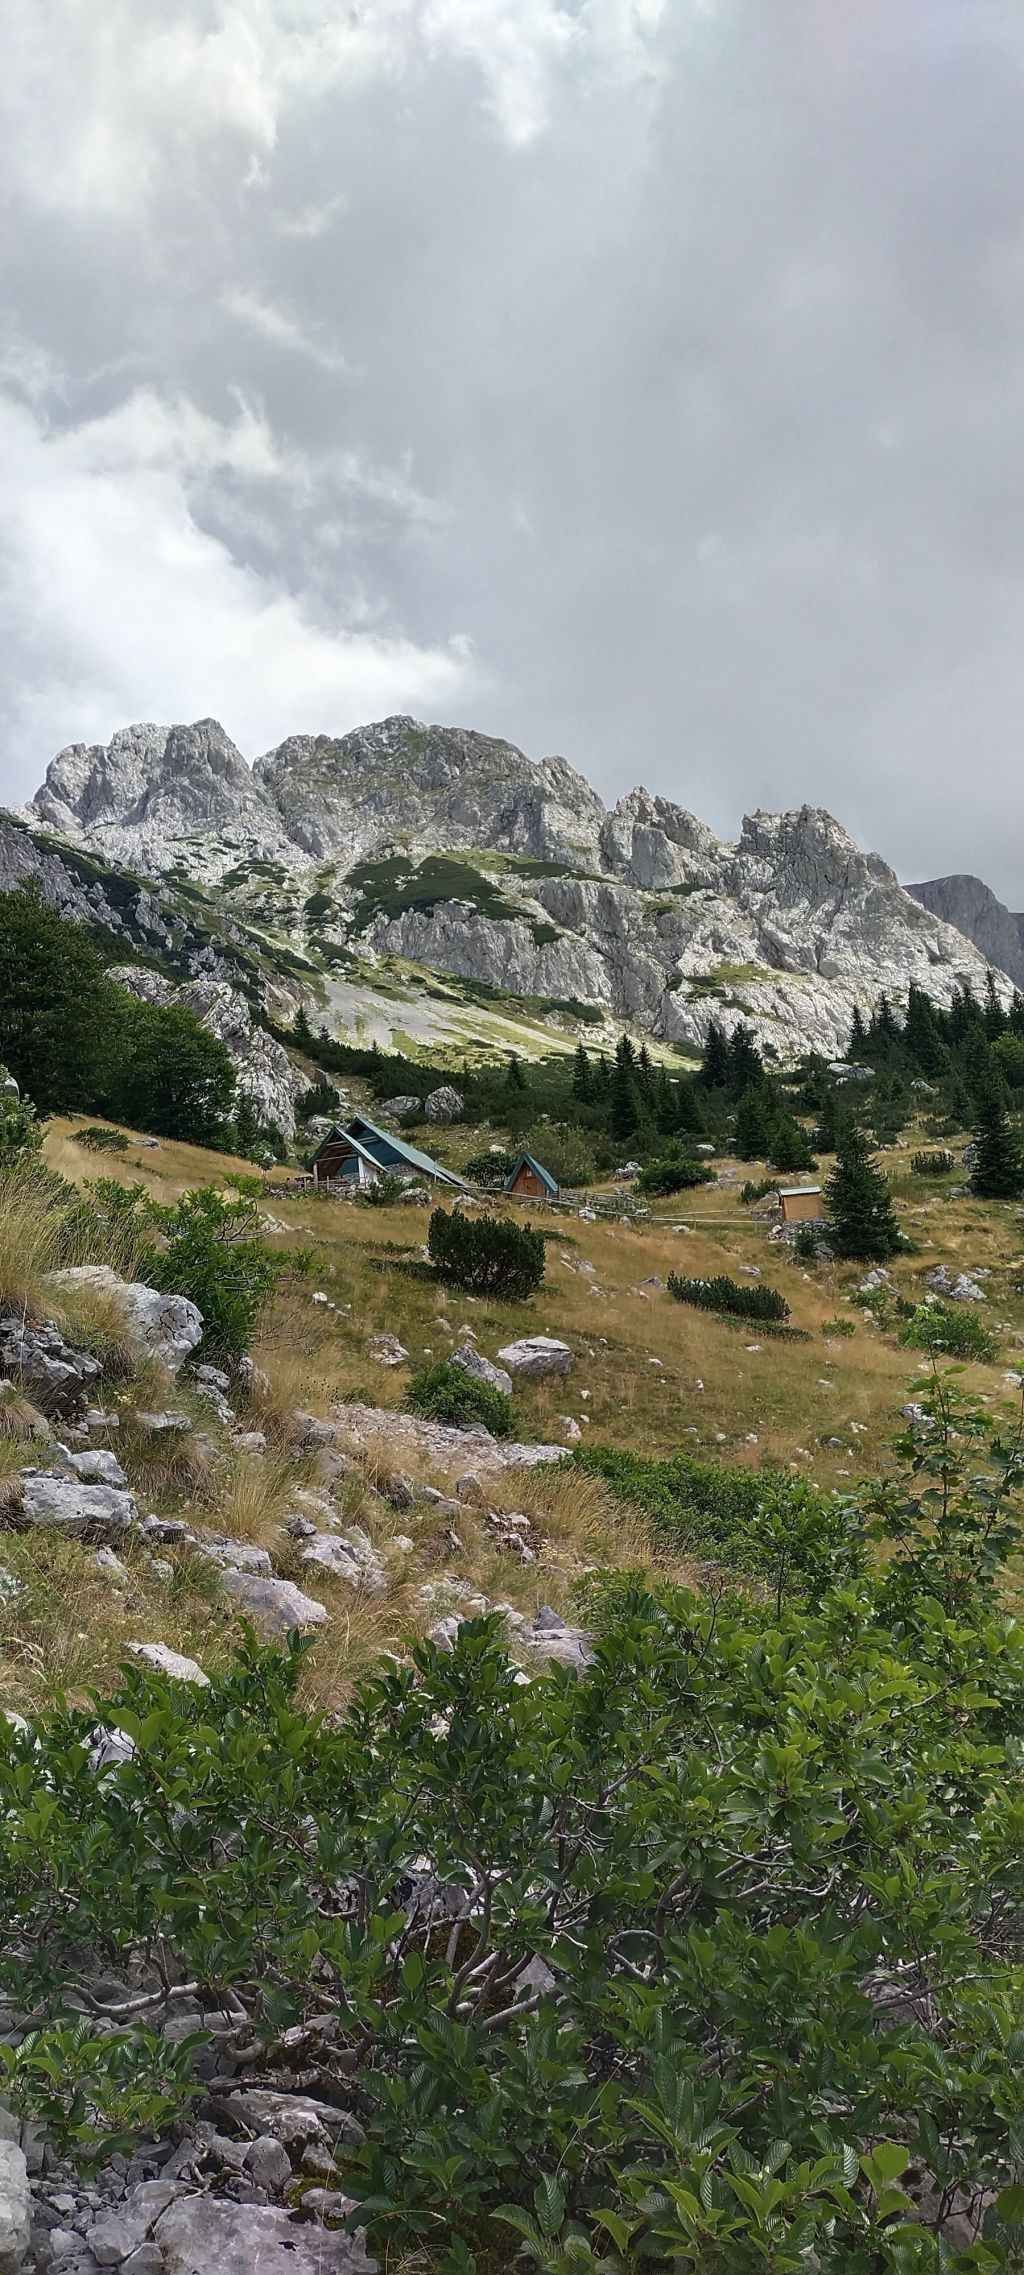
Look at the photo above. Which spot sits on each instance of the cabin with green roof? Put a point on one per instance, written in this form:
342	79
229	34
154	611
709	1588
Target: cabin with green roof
530	1181
360	1152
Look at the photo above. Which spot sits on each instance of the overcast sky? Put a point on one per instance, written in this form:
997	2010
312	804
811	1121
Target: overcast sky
639	379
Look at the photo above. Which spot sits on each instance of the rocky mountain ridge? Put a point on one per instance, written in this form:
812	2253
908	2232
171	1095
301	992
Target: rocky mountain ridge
402	845
973	908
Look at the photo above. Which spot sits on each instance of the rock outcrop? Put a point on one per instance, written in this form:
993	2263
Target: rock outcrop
640	912
975	911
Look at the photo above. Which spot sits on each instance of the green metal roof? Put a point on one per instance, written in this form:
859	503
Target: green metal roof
527	1161
359	1124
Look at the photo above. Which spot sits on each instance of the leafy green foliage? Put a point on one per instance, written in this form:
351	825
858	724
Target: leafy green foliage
674	1171
384	1192
562	1149
758	1521
174	1077
486	1255
59	1014
938	1164
724	1294
705	1959
959	1332
448	1393
20	1135
212	1252
489	1170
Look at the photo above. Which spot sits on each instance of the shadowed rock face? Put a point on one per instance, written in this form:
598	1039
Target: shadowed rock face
969	904
640	910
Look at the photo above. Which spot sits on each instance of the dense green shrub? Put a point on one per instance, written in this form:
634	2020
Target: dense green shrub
489	1170
486	1255
757	1189
735	1986
564	1151
960	1333
20	1134
383	1192
724	1294
99	1140
448	1393
940	1164
754	1520
674	1171
211	1251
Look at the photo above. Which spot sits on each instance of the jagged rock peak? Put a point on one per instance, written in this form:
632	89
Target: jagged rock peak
973	907
429	787
150	788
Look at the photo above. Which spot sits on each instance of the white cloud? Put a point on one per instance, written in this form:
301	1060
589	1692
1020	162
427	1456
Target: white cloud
283	331
123	606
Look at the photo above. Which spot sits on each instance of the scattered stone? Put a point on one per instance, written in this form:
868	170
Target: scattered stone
210	2235
294	2119
89	1512
213	1377
15	2208
958	1287
41	1361
404	1106
552	1638
252	1443
105	1560
251	1380
537	1355
445	1104
236	1555
95	1467
169	1420
274	1606
11	1588
164	1327
388	1351
473	1363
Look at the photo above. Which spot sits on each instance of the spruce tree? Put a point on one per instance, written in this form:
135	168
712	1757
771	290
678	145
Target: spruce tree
624	1110
788	1146
858	1037
995	1016
746	1066
515	1079
302	1032
998	1173
751	1133
582	1078
858	1203
715	1066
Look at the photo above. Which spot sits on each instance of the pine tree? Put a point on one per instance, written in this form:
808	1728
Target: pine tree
1017	1014
624	1112
715	1068
515	1079
857	1044
995	1016
998	1173
921	1035
830	1123
751	1133
302	1032
582	1077
858	1203
788	1146
746	1066
645	1075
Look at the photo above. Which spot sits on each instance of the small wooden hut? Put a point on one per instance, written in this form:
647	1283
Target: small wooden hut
530	1181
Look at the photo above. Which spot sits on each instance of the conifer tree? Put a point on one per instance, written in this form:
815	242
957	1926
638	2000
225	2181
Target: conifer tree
715	1067
582	1076
515	1079
858	1203
302	1032
789	1147
998	1173
995	1016
751	1132
746	1066
858	1037
624	1109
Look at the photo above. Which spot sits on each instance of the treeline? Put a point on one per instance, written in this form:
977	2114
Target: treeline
77	1043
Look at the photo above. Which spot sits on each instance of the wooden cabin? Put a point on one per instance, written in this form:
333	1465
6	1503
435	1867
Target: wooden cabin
800	1204
530	1181
359	1153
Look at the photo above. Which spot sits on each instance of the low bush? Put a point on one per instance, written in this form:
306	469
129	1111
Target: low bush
757	1189
212	1252
839	1326
99	1140
805	1246
384	1193
486	1255
673	1172
448	1393
933	1164
703	1959
489	1170
758	1521
723	1294
961	1334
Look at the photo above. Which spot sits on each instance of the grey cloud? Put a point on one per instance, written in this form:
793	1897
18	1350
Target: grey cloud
639	382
